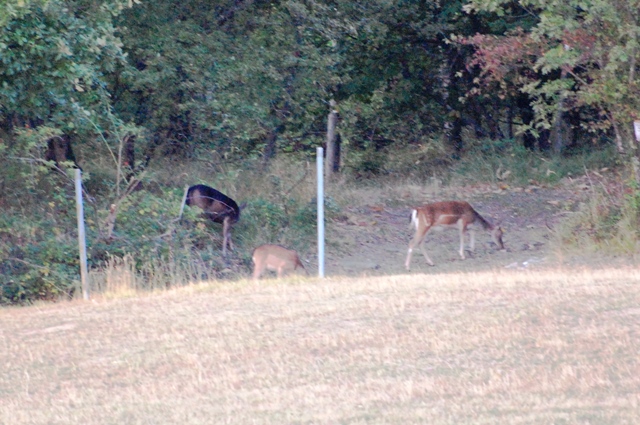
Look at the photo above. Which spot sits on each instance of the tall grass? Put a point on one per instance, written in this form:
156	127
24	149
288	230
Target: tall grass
123	276
38	239
279	207
506	162
607	221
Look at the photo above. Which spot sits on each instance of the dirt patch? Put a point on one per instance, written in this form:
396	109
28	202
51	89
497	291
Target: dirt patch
373	239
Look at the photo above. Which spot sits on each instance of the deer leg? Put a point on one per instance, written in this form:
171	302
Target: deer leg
462	232
257	272
229	239
226	235
472	242
408	260
426	256
418	239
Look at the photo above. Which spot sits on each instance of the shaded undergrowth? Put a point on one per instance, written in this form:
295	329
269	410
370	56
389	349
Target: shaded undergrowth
150	248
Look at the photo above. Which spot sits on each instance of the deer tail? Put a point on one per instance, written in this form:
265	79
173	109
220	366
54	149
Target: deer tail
414	219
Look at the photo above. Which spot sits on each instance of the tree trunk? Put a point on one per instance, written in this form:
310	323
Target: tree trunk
129	151
633	154
332	161
59	151
616	130
270	148
493	109
559	133
510	115
129	156
559	130
336	163
452	126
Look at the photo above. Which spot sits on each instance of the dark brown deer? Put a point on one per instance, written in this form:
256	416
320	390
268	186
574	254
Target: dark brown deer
218	207
449	214
275	258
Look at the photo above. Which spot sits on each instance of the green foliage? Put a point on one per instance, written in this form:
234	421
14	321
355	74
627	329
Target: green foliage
416	160
632	200
505	162
225	81
607	222
229	84
54	55
256	78
391	91
366	163
30	147
304	218
40	248
578	55
264	221
39	251
266	218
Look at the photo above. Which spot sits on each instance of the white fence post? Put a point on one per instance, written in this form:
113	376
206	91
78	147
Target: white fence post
320	196
81	236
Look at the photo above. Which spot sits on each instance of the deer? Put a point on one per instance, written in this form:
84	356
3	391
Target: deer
218	207
275	258
449	214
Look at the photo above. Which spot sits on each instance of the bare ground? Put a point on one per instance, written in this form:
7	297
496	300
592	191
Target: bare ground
372	239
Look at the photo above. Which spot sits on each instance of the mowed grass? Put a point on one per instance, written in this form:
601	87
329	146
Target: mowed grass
503	347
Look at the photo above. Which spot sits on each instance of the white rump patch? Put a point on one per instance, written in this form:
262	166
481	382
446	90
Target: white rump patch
414	218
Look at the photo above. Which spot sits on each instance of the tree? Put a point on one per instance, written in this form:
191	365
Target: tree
243	78
579	56
54	57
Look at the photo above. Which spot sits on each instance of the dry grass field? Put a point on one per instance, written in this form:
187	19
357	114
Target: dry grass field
492	347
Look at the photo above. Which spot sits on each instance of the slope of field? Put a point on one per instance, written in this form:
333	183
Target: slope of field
372	237
492	347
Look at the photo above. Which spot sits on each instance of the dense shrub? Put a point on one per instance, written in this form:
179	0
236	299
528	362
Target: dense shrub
39	250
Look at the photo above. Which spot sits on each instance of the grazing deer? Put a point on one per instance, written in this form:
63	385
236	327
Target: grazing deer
449	214
218	207
275	258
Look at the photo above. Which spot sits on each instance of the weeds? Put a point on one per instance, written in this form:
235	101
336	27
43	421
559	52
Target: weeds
38	240
148	245
606	222
510	163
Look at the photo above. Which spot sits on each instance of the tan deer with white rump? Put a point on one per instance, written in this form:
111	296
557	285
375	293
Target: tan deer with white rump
275	258
449	214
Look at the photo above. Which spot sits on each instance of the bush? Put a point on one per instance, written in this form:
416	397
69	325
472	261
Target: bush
509	162
39	250
40	258
606	222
